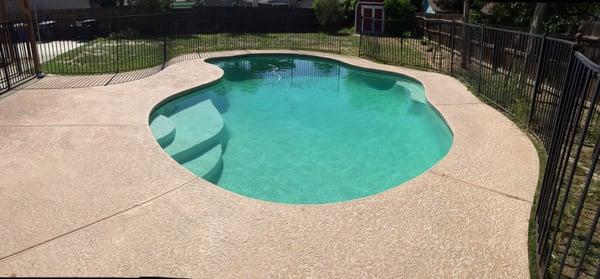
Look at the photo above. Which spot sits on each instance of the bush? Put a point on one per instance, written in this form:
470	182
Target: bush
151	5
329	14
399	9
348	7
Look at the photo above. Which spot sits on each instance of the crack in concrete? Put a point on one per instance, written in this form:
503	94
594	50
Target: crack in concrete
481	187
70	125
458	104
120	212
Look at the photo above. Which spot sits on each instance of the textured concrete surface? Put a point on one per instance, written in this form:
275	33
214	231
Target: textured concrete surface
85	190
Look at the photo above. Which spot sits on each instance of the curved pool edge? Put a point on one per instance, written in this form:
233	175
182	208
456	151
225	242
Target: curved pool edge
489	162
215	58
420	76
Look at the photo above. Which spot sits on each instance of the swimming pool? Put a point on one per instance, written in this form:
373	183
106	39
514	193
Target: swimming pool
303	130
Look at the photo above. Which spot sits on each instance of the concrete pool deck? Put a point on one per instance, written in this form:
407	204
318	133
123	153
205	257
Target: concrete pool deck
85	190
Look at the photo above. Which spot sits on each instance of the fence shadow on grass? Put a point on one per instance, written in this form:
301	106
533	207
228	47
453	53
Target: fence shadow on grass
80	81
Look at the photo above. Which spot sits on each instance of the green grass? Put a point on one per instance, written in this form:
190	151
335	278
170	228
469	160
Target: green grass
399	51
107	56
509	93
531	233
110	55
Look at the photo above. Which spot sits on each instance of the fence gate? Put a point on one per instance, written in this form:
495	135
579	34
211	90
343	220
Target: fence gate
16	63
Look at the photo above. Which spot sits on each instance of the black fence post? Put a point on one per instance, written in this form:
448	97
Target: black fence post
339	38
539	72
465	55
480	59
4	67
117	35
164	30
217	37
360	39
452	47
17	55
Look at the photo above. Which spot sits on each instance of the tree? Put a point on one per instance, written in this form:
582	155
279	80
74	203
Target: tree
108	3
565	17
465	45
465	10
537	24
24	7
348	7
557	17
152	5
2	11
502	14
450	6
329	14
398	9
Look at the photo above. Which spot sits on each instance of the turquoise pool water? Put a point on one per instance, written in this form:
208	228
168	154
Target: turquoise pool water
302	130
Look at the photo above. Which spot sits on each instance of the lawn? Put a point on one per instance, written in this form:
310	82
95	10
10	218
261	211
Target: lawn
106	56
110	55
401	51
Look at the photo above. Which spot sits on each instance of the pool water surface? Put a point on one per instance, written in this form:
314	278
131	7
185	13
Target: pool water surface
303	130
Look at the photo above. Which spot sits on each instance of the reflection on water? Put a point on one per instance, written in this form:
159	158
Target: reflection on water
295	73
318	74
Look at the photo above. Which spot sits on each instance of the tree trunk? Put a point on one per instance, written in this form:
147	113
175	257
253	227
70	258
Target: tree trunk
26	11
466	11
537	23
464	58
2	11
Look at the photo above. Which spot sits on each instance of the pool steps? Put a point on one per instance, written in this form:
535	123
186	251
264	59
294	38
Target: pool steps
207	166
163	129
219	101
206	131
202	153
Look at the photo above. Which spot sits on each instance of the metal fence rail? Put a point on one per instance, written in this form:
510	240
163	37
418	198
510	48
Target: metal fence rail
520	73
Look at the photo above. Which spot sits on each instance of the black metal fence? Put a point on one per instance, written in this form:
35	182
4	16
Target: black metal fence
122	43
551	88
520	73
547	84
16	64
568	207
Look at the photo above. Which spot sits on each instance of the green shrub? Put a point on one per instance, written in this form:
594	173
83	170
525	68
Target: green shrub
151	5
329	14
348	7
399	9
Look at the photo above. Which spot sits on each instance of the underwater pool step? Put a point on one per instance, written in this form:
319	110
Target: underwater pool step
163	130
204	127
219	101
207	165
416	93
